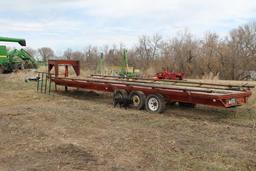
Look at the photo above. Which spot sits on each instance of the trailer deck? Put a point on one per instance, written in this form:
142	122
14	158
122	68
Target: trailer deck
153	94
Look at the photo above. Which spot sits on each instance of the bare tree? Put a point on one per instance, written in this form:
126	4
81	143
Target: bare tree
77	55
209	56
67	54
229	58
46	53
148	48
185	52
242	43
90	57
114	54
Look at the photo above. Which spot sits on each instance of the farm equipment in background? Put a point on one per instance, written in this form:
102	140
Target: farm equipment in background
24	57
169	75
12	60
125	69
100	68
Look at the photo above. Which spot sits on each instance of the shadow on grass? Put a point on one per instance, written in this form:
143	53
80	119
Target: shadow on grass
239	116
200	112
84	94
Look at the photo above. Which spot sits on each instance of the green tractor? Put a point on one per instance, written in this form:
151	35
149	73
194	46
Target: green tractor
12	60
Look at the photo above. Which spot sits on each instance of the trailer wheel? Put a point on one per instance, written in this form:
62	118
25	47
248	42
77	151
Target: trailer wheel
120	94
187	105
155	103
138	99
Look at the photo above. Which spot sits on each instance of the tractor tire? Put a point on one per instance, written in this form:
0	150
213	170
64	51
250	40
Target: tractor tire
138	99
155	103
187	105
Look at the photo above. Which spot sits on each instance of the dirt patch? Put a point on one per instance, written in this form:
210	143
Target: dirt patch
62	157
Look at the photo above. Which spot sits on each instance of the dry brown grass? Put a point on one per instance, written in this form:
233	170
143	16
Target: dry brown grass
82	131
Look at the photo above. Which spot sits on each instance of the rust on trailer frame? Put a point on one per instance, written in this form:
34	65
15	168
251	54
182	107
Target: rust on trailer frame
190	94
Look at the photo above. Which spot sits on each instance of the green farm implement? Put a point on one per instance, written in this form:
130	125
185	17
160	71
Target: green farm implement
12	60
125	72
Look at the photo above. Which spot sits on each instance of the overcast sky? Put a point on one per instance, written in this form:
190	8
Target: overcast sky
77	23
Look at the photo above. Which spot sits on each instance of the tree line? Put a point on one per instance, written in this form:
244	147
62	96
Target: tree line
231	57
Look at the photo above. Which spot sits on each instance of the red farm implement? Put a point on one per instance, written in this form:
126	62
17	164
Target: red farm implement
150	93
169	75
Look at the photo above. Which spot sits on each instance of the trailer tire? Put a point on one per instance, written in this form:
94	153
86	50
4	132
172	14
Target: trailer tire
187	105
155	103
138	99
119	94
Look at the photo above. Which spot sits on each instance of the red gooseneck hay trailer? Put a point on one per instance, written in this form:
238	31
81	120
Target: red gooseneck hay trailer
153	94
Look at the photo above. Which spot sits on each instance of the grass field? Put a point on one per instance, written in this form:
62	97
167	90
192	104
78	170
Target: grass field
82	131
